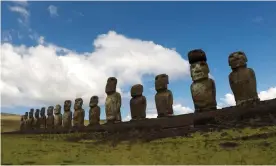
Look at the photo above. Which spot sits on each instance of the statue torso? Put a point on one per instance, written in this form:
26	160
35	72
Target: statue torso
94	115
164	101
112	106
138	107
67	118
243	84
203	94
58	120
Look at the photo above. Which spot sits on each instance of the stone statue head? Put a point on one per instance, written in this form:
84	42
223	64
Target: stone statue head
50	110
42	112
237	59
78	103
161	82
111	85
57	109
67	105
199	70
136	90
31	113
196	56
26	115
94	100
37	113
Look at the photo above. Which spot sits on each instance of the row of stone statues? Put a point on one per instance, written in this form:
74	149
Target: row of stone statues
242	82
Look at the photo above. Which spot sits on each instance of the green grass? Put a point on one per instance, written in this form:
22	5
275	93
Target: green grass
198	149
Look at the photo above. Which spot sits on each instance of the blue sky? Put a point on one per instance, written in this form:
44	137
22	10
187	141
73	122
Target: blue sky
219	28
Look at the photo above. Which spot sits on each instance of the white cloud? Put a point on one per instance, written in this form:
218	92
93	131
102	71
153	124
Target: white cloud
269	94
53	10
49	74
229	99
24	13
6	36
21	2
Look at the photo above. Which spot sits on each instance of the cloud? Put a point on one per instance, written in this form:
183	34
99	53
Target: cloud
258	19
6	36
53	10
229	99
78	13
21	2
48	74
269	94
24	13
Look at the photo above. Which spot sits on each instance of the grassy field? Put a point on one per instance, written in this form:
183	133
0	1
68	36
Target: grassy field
225	147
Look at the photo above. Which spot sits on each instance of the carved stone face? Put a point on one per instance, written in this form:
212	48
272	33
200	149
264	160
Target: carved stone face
111	85
78	103
50	110
31	113
57	109
161	82
137	90
199	70
42	111
94	100
67	105
37	113
237	59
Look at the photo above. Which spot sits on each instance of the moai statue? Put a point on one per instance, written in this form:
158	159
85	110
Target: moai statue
163	97
95	111
138	103
67	115
26	116
36	120
31	119
58	116
42	119
79	113
242	79
50	117
113	101
22	123
203	88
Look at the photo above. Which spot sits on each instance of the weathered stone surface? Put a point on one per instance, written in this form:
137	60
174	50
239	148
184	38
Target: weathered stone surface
79	113
242	79
113	101
58	116
163	97
26	116
203	88
204	95
138	103
22	123
50	119
67	115
224	118
95	111
36	120
42	119
196	56
31	119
